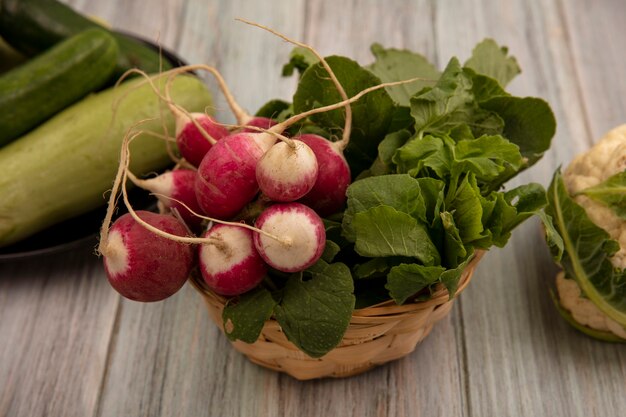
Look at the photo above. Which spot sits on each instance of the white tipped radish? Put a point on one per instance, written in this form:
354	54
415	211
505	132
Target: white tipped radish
328	194
173	188
226	179
302	234
287	171
195	141
232	266
142	266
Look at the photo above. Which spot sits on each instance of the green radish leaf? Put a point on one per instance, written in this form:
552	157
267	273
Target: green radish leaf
372	268
587	249
611	193
448	103
388	147
488	157
244	316
299	59
330	251
273	108
406	280
431	191
453	250
315	313
425	157
528	122
467	210
451	277
399	64
492	60
399	191
483	86
384	231
401	119
371	115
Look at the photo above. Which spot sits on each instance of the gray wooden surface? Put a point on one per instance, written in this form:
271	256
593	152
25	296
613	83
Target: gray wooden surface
70	346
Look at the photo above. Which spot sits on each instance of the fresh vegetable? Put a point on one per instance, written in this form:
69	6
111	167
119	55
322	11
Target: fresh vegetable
32	26
586	230
231	265
287	171
62	168
9	57
416	194
426	188
192	143
145	267
261	122
226	179
174	190
301	237
47	84
328	194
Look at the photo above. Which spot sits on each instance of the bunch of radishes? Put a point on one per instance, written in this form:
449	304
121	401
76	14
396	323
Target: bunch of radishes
149	256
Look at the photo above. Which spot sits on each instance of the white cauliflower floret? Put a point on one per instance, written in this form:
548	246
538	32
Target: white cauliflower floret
582	309
605	159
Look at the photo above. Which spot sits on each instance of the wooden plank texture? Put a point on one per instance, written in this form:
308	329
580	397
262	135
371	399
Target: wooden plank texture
70	346
56	321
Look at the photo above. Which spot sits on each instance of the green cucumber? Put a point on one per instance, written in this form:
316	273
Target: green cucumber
64	167
9	57
32	26
33	92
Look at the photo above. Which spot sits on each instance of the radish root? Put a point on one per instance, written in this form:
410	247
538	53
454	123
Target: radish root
347	130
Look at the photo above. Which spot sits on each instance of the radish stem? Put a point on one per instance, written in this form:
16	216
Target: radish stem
343	143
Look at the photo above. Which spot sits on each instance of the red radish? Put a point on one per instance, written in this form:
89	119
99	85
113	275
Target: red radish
142	266
226	179
192	143
328	195
261	122
302	237
287	171
173	188
232	266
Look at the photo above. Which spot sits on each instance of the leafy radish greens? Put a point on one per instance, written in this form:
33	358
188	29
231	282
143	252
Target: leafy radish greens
428	161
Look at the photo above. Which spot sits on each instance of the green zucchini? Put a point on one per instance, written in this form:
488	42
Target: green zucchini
33	92
64	167
9	57
32	26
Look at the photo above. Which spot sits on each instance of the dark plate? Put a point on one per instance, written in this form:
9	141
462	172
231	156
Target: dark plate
83	230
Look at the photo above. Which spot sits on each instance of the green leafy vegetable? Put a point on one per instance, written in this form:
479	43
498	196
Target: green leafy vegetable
528	122
611	193
401	192
451	277
371	116
385	231
244	317
300	59
492	60
397	64
429	161
315	313
273	108
586	252
406	280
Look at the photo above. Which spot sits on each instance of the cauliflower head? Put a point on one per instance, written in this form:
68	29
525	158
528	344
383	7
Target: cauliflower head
605	159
